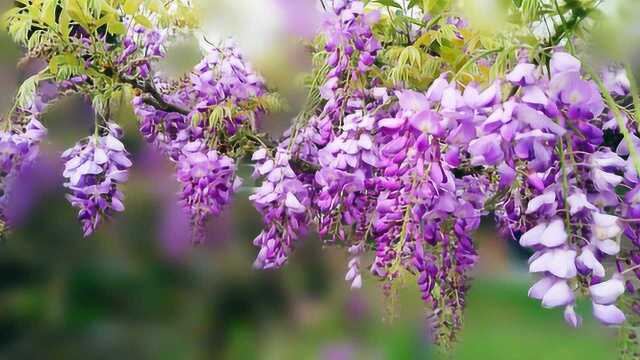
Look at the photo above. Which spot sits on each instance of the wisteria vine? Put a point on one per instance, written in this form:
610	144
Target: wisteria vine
415	129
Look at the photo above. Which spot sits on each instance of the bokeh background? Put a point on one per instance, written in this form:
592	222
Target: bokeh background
139	290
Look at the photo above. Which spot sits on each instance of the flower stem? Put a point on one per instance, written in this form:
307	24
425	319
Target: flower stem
636	267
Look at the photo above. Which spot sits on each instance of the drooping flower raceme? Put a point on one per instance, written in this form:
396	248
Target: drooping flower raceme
282	199
409	136
18	149
94	168
217	93
565	182
20	145
208	181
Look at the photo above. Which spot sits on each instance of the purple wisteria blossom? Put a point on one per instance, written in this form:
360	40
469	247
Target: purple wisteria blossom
282	199
563	210
213	92
208	181
94	169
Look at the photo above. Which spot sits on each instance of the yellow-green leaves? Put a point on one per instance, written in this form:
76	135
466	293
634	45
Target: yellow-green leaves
116	27
64	66
144	21
49	12
412	66
18	24
131	6
27	91
435	7
410	56
64	24
530	10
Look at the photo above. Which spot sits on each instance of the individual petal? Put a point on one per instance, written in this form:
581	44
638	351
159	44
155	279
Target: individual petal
608	246
563	62
357	282
603	159
540	200
259	154
605	226
534	95
555	234
607	293
577	202
429	122
450	98
560	262
100	156
435	91
589	261
522	74
113	144
533	236
412	100
608	314
541	287
560	294
392	123
574	320
293	203
605	180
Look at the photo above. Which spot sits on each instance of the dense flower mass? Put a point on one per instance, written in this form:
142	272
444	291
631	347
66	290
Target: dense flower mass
19	146
570	177
208	180
397	174
415	127
218	91
283	201
94	168
18	150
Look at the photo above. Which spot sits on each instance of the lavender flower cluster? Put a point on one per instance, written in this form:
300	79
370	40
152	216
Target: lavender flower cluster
218	92
20	146
408	175
398	176
566	201
94	168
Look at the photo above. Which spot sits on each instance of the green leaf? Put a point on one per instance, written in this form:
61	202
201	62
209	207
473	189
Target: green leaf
64	23
390	3
49	12
59	61
116	28
435	7
27	91
131	6
144	21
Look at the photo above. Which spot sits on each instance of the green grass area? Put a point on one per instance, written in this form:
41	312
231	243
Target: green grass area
502	323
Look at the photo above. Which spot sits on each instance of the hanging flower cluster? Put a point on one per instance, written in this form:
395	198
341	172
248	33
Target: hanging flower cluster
567	185
411	135
94	168
222	92
20	145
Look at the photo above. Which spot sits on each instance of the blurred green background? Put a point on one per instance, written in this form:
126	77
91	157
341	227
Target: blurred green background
139	290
